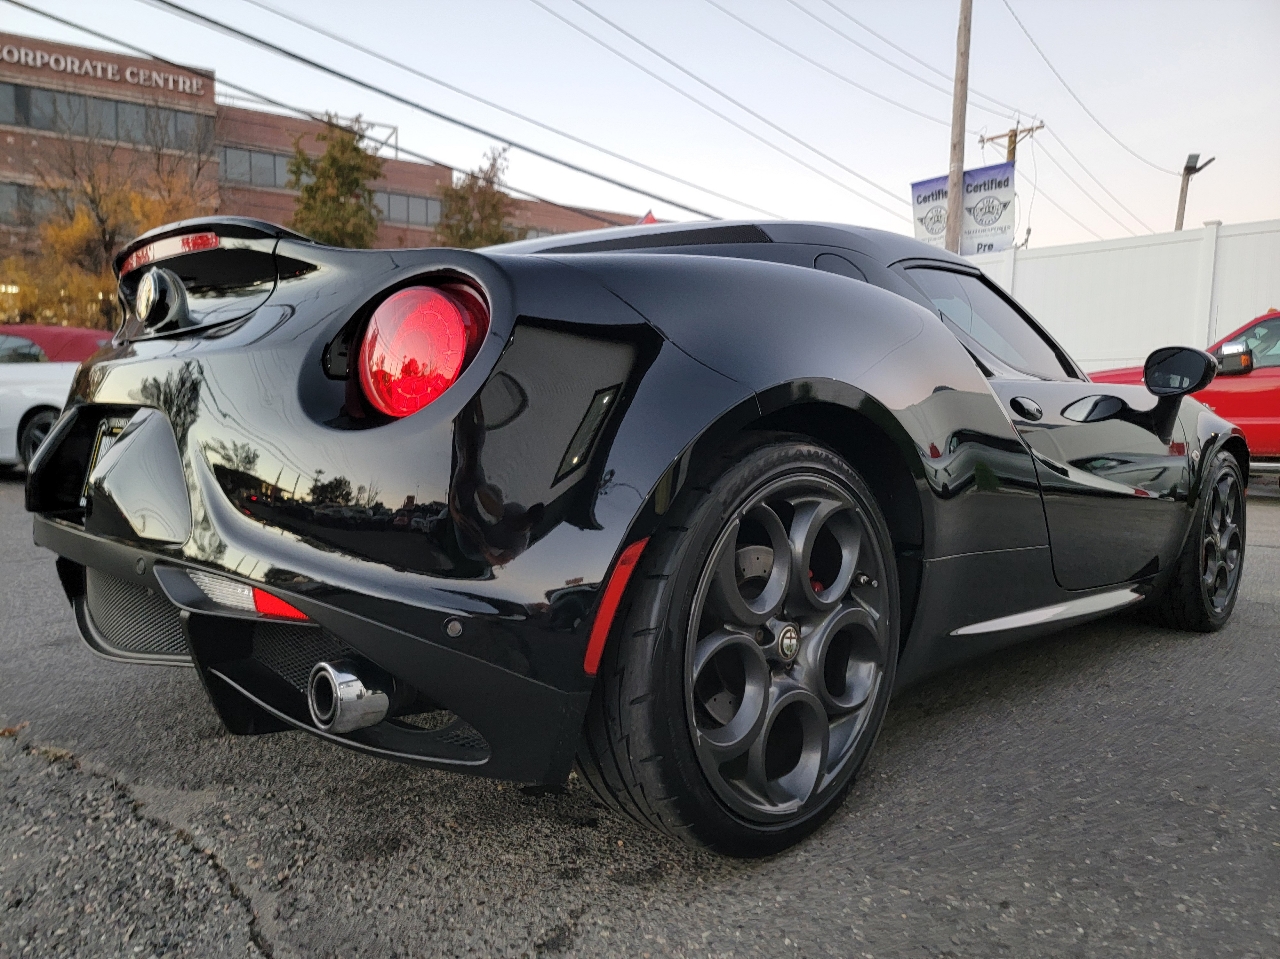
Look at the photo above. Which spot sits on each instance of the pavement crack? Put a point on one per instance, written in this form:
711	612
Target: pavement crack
54	754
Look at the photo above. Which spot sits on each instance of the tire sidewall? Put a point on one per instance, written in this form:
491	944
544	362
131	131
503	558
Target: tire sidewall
1222	462
24	435
716	824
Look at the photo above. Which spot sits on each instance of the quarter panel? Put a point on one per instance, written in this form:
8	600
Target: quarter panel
801	334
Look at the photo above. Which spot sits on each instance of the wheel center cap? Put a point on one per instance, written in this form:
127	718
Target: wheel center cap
788	641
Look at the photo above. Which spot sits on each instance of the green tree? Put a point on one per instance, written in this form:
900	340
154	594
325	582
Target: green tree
335	201
473	211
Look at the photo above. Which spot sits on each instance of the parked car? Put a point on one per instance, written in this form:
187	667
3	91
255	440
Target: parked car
1247	388
36	367
702	497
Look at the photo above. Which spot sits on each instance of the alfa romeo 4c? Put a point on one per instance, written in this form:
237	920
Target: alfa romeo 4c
681	504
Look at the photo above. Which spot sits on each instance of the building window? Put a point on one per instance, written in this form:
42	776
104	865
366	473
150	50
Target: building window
23	205
10	210
254	167
102	119
8	104
413	210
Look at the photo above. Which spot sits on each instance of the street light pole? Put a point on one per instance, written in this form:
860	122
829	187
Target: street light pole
959	101
1188	171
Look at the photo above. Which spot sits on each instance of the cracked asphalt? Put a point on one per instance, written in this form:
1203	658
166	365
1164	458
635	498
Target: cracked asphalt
1112	791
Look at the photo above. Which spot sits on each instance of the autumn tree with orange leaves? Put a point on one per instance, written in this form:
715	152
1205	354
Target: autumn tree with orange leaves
94	196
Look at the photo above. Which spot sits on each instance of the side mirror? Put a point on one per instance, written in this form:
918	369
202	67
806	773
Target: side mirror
1171	373
1235	358
1175	371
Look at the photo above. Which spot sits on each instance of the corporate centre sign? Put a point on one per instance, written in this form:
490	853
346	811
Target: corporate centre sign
59	66
987	226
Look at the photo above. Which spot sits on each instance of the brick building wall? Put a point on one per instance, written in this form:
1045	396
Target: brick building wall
56	97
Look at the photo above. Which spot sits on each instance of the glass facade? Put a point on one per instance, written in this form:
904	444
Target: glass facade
402	208
22	204
100	118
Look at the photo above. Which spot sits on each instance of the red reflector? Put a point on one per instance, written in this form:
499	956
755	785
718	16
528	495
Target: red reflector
270	605
415	346
613	591
173	246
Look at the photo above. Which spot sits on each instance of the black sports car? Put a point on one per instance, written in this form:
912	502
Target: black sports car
683	503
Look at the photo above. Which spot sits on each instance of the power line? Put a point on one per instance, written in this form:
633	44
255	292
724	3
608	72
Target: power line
713	111
1035	181
297	111
1016	110
405	101
823	67
741	106
1011	111
1097	181
1065	212
862	46
1067	87
1052	159
306	24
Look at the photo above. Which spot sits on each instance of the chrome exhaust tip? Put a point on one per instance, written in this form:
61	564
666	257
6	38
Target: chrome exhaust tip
341	701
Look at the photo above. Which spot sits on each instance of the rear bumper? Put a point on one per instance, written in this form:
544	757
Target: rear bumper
487	720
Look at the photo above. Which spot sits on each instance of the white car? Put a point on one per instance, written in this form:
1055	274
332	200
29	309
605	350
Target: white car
37	364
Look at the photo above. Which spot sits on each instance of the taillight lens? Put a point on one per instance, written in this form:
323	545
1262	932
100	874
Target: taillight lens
272	605
417	344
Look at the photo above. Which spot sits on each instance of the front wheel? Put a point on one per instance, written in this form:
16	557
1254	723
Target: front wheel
753	657
1201	592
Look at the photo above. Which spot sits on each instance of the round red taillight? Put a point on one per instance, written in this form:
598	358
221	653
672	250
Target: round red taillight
416	345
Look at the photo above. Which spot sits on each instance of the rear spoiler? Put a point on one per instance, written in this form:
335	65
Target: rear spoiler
195	234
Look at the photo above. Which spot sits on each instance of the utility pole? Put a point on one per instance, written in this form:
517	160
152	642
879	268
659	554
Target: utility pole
1188	171
1012	139
959	101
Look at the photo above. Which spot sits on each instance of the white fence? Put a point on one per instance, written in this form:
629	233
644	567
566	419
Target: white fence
1112	302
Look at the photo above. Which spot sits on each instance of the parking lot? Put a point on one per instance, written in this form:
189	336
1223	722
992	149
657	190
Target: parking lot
1112	791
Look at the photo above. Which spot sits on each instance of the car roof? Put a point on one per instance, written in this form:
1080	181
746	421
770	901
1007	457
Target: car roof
881	245
62	344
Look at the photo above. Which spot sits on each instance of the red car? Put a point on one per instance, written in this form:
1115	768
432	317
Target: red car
1247	389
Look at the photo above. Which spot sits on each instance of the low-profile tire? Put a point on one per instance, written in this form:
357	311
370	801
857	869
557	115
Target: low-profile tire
752	658
34	431
1201	591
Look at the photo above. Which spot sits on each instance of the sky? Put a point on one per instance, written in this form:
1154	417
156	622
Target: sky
804	133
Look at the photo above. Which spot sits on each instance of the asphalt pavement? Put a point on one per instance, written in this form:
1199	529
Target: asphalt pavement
1112	791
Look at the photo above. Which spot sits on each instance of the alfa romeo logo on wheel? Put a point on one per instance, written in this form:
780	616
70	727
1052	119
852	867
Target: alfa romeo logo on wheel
988	210
935	221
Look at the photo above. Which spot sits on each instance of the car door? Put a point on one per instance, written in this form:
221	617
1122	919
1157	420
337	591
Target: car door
1252	400
1114	492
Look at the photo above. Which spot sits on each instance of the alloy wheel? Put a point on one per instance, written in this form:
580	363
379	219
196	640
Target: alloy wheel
1223	543
788	639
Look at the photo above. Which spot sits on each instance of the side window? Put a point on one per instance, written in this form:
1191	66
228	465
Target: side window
1264	340
976	310
16	349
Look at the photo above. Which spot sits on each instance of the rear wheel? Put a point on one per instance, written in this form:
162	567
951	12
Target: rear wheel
752	661
1201	592
34	432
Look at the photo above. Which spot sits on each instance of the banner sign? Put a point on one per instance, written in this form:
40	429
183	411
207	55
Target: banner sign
987	226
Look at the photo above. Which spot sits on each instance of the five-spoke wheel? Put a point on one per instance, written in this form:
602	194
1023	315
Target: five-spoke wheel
750	673
1200	592
788	638
1223	541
